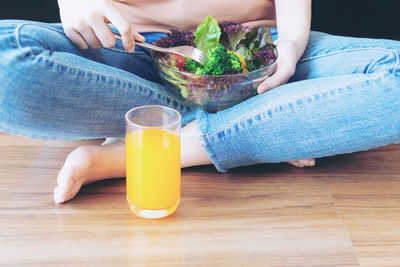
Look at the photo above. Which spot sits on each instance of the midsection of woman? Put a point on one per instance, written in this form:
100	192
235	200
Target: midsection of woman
163	15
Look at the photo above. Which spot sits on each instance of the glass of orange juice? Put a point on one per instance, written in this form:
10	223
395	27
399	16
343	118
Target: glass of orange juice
153	160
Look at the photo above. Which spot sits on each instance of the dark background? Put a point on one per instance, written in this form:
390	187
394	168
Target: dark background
363	18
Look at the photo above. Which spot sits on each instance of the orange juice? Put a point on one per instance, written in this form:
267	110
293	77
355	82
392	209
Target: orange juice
153	169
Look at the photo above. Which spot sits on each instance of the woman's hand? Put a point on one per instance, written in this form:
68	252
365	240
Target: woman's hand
86	24
285	66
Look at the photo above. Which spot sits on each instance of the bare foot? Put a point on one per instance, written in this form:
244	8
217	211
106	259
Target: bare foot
88	164
303	163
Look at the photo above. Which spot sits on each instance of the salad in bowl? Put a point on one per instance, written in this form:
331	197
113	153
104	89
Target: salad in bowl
238	59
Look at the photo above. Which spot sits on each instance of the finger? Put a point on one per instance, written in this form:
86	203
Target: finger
138	36
281	76
90	37
125	29
76	38
103	33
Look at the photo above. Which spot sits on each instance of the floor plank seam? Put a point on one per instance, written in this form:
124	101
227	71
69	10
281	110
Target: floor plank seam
342	222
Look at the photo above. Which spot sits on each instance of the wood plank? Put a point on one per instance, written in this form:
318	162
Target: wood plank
366	189
371	215
246	217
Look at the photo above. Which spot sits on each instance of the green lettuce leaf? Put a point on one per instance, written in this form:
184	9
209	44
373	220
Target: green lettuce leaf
255	40
250	38
265	37
244	52
207	34
255	64
232	41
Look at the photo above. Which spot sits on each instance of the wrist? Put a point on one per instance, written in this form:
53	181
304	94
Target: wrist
296	46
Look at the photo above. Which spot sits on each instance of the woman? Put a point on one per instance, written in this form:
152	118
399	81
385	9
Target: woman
330	94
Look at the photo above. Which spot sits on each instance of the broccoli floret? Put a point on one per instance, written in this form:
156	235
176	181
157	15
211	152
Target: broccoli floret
219	61
192	66
236	64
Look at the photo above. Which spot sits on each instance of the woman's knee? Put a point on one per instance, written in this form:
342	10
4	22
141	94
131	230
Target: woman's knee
18	41
17	78
329	55
388	61
36	37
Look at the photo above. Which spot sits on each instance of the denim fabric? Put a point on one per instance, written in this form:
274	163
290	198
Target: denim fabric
344	97
49	89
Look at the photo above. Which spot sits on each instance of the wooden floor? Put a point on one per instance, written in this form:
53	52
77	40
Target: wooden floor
343	212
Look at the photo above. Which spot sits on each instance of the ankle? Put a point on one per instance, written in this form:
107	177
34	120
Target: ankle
192	151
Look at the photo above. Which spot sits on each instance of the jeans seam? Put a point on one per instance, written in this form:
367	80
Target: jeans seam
16	35
397	65
353	50
203	126
86	70
28	134
269	112
18	40
106	76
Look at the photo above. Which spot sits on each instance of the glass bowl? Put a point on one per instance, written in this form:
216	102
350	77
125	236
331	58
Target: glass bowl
213	93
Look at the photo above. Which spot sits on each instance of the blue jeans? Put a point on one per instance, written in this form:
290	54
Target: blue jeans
344	97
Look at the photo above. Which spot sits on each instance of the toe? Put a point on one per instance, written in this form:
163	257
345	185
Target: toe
303	163
58	195
296	164
307	162
69	179
68	184
65	193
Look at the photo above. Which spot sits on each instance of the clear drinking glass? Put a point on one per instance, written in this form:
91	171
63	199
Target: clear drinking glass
153	160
